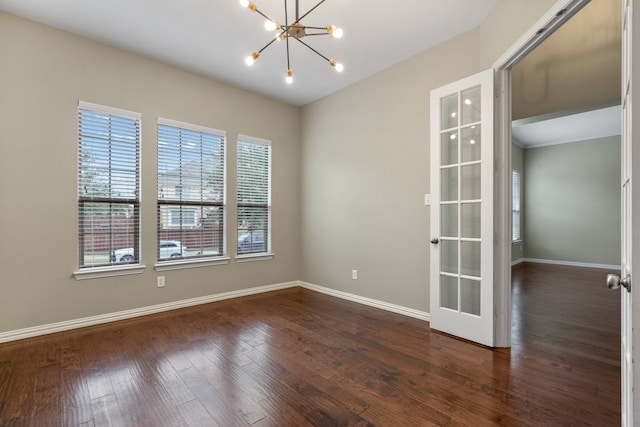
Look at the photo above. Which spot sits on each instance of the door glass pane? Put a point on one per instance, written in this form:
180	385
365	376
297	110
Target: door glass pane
471	144
470	258
471	220
471	105
449	256
449	220
449	112
449	148
471	182
449	184
470	296
449	292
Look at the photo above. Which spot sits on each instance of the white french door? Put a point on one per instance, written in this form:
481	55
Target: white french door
461	288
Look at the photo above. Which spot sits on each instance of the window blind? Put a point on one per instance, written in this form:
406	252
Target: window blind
108	186
191	184
254	195
515	191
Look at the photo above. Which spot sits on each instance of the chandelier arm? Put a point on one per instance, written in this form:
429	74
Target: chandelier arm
263	15
314	51
267	45
286	15
316	34
288	63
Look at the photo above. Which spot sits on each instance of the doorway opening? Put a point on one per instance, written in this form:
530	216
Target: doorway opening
546	88
539	87
566	132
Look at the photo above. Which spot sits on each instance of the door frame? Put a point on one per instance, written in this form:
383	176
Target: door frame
555	17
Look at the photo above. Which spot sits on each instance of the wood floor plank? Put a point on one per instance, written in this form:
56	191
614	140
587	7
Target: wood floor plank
195	415
210	397
18	400
106	412
48	396
6	367
76	403
313	402
299	358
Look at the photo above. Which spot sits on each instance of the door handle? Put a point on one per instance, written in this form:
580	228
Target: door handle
614	282
435	240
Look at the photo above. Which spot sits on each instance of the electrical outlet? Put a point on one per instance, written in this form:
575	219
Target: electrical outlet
161	281
354	274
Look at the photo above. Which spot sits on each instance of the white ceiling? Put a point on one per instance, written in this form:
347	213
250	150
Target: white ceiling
562	128
212	37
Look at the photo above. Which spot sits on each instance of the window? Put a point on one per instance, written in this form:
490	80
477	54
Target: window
108	186
254	196
191	198
515	206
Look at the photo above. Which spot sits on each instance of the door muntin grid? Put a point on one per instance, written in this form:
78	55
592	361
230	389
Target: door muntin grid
460	201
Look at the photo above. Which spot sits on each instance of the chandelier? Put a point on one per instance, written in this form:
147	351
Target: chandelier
295	30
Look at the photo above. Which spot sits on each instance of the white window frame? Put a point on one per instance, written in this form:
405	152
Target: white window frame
105	269
201	260
516	206
268	254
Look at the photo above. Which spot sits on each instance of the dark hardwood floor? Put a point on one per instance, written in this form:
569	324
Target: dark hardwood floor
300	358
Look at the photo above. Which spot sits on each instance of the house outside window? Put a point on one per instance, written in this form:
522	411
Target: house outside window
181	190
254	196
182	217
108	186
191	190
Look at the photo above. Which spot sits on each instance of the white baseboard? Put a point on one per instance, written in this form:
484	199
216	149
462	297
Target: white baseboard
143	311
573	264
417	314
517	261
136	312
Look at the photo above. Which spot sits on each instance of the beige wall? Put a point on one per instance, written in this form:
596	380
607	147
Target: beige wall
577	65
572	202
365	172
44	74
366	166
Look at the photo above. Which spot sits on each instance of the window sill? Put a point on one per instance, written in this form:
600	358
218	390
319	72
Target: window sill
111	271
255	257
190	263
